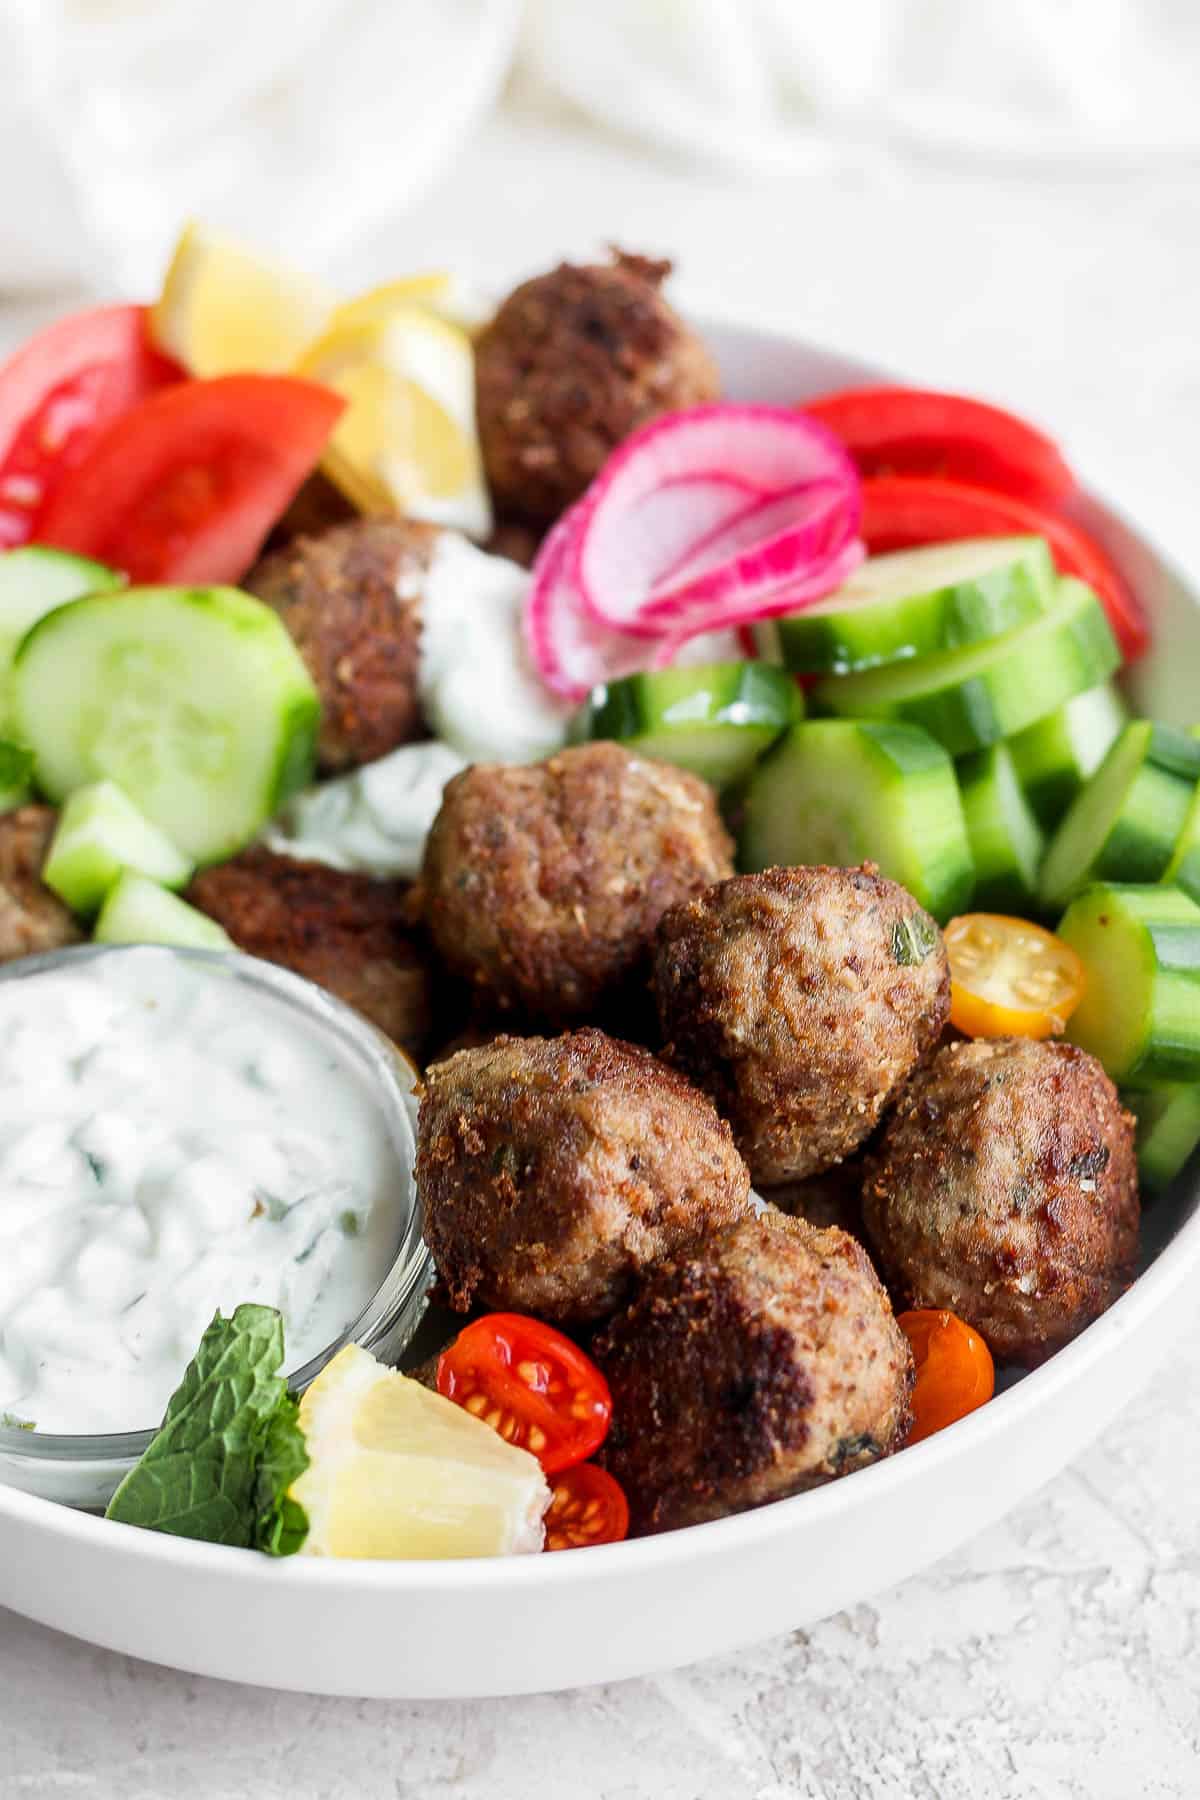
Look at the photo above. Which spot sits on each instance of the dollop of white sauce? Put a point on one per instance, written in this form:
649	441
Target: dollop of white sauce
171	1143
480	692
374	820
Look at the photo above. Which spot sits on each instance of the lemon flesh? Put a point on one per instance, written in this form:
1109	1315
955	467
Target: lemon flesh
407	440
225	311
396	1471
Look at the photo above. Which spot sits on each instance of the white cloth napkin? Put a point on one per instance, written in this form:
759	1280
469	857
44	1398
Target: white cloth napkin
310	121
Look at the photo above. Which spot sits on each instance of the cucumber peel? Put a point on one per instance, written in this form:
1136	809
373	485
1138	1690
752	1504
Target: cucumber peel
139	911
1140	1013
973	697
1125	823
1005	837
33	581
716	720
1057	755
916	602
16	774
100	833
1168	1130
194	701
843	792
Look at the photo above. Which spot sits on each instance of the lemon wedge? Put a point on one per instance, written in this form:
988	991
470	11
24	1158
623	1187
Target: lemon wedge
439	291
406	442
397	1471
224	310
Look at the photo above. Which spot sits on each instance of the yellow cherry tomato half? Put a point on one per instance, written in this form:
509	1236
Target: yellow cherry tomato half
1009	978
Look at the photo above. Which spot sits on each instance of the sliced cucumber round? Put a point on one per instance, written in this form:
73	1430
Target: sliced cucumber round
100	833
33	581
16	775
1005	837
195	701
715	720
842	792
1124	825
1140	1013
1055	757
1168	1130
974	697
139	911
915	602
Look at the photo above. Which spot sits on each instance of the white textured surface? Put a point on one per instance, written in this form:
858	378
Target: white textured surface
1057	1657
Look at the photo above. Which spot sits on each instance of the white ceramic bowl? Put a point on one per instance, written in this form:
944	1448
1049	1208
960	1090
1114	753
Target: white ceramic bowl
525	1624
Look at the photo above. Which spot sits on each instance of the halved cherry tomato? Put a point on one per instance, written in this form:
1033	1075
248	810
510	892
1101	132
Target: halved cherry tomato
186	486
531	1384
955	1372
58	393
586	1507
915	431
903	511
1009	978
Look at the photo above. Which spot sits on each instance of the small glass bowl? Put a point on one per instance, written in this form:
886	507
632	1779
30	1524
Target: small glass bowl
83	1470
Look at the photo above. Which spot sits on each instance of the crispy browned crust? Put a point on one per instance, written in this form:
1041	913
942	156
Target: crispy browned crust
351	599
542	884
32	919
782	995
551	1171
345	931
765	1363
1005	1188
574	361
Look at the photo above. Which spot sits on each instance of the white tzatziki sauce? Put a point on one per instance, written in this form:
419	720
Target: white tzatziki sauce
374	820
480	694
170	1143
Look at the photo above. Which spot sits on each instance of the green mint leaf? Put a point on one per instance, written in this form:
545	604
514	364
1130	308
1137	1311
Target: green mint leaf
281	1524
913	939
199	1475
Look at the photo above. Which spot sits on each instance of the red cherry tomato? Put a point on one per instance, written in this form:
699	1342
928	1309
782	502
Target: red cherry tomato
955	1373
903	511
531	1384
586	1507
58	393
186	486
913	431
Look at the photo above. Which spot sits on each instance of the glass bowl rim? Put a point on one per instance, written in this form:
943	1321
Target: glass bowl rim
392	1077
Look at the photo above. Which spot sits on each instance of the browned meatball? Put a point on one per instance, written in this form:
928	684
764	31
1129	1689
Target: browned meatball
347	932
765	1363
32	919
542	884
801	1000
552	1170
1005	1189
572	363
351	599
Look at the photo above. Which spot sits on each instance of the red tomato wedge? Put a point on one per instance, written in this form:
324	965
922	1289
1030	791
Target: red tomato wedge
915	431
531	1384
58	393
586	1507
186	486
903	511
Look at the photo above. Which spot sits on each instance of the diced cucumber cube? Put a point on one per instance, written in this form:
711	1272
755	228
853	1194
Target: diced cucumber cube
139	911
101	833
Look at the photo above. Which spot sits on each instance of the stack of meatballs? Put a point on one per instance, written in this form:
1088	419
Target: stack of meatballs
684	1098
